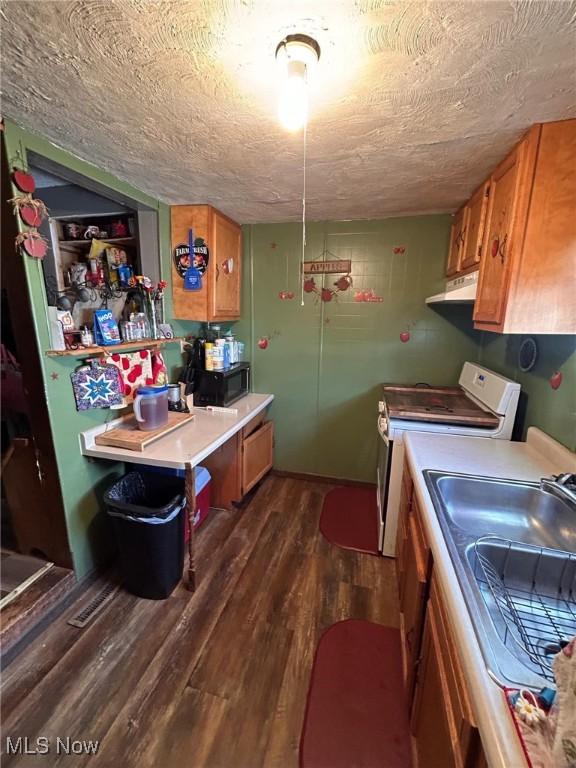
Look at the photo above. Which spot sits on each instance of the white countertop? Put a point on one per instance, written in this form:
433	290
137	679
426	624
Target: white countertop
189	444
538	457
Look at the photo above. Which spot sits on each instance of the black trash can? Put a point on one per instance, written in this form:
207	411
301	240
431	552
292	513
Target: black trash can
147	513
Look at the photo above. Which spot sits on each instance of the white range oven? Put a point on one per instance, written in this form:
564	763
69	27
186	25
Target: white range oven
483	405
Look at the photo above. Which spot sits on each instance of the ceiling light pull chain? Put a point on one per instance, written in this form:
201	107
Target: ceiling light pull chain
303	216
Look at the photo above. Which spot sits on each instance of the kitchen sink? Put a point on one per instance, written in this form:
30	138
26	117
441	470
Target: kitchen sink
512	510
513	546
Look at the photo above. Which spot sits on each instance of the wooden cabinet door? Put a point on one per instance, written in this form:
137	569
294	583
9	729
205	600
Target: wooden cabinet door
430	723
508	204
402	528
257	453
495	264
542	294
457	242
224	303
413	599
225	467
477	206
442	722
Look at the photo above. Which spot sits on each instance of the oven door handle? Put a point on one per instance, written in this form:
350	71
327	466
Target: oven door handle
383	429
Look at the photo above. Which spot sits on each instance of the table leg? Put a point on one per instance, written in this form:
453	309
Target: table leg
190	490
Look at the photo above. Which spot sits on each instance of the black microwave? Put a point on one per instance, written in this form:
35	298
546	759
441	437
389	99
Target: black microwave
221	388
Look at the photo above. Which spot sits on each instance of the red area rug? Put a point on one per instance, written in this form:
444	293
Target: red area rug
356	714
349	518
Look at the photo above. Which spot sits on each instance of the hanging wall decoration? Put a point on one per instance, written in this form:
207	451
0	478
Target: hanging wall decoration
399	249
327	267
32	243
31	211
23	180
264	341
405	334
556	380
97	385
368	297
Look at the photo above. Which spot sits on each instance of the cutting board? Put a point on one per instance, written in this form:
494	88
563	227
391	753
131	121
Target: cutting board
131	438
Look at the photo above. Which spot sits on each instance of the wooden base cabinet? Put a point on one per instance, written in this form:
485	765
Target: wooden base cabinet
257	452
219	297
241	462
444	733
413	594
442	722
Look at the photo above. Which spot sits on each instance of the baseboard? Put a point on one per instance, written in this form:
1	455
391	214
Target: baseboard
322	478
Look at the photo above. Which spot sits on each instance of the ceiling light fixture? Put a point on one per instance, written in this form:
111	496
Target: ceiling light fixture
297	57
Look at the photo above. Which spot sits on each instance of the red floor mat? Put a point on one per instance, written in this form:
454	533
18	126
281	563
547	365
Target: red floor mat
349	518
356	714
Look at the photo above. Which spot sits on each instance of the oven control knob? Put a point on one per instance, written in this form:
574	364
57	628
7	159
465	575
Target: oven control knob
381	406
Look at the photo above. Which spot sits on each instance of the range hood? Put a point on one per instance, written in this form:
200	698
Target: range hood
461	290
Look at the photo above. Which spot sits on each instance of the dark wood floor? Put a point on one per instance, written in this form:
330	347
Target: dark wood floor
218	678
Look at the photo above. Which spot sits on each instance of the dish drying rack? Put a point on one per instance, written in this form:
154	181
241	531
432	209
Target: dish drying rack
534	589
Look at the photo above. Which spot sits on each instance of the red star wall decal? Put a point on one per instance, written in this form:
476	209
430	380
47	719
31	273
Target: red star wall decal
54	376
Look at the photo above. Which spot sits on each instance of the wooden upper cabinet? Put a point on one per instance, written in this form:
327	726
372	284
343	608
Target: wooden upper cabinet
496	254
219	297
528	266
543	285
477	207
224	301
457	242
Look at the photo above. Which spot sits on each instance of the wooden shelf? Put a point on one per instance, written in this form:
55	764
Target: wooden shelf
74	244
126	346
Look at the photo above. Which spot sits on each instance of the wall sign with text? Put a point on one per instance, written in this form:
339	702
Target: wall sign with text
327	267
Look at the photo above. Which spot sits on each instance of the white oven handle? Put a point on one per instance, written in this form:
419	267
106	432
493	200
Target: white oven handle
383	428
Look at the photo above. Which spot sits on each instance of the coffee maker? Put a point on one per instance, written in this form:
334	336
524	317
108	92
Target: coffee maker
175	400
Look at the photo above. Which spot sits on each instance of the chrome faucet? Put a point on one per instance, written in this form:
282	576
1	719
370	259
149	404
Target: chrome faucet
563	486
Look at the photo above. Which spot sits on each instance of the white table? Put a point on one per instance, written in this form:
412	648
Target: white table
182	449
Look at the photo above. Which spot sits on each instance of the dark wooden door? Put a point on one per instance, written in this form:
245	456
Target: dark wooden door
46	521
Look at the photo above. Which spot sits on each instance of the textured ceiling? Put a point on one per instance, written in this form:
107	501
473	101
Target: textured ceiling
413	104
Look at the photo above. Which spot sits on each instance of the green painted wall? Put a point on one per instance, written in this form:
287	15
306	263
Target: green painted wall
325	361
554	411
82	480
